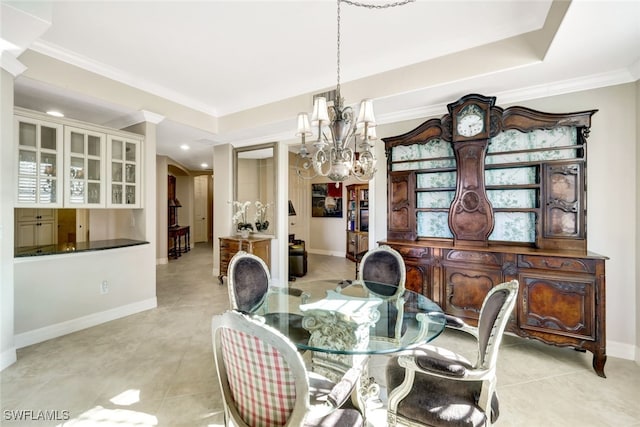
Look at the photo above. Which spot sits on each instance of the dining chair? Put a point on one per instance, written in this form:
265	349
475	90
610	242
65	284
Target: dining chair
264	381
385	265
433	386
249	286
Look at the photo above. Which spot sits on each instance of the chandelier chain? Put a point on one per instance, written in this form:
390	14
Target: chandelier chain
338	57
377	6
368	6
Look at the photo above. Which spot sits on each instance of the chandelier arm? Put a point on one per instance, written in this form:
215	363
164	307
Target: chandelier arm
320	158
306	166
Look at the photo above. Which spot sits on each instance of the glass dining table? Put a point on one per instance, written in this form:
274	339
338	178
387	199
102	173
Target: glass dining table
338	324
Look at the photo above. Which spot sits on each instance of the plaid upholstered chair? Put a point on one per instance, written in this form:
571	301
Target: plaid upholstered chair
249	290
436	387
265	383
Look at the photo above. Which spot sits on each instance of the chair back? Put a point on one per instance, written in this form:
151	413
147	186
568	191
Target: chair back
383	265
248	280
262	376
494	316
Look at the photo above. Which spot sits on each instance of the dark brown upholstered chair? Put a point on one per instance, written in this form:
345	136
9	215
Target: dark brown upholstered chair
249	290
384	265
436	387
264	381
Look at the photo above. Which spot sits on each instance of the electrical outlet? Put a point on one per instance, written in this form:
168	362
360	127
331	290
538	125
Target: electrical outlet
104	287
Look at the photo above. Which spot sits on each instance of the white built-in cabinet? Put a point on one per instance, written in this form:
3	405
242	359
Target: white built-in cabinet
39	145
85	168
35	227
71	164
123	172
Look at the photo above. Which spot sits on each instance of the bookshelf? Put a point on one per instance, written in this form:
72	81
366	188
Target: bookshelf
357	220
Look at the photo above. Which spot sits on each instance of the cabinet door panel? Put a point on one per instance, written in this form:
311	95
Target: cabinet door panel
465	289
562	304
26	235
416	278
39	157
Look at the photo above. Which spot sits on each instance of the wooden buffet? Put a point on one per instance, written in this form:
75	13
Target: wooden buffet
485	195
229	246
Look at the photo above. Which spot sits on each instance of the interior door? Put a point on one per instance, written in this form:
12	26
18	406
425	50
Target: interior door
201	212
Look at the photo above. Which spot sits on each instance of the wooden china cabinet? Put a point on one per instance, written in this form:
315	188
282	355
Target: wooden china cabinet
486	195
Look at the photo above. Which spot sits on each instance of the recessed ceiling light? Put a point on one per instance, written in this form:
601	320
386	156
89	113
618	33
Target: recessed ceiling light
204	165
184	147
55	113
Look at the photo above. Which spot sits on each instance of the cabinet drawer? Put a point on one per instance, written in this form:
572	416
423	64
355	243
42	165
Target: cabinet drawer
578	265
472	257
413	252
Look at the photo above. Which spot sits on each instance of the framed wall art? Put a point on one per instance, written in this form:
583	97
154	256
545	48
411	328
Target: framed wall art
326	200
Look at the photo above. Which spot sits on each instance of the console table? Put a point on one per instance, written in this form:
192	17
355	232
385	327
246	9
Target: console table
181	237
229	246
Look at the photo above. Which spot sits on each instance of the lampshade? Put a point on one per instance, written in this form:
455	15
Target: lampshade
292	212
320	115
304	129
366	113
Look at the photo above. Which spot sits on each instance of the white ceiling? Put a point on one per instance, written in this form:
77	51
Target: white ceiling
225	58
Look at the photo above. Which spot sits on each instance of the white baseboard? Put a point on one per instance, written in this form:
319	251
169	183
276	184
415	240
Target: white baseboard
53	331
7	358
622	350
323	252
160	261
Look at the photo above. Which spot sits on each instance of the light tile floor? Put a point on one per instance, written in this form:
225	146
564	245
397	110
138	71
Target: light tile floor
156	367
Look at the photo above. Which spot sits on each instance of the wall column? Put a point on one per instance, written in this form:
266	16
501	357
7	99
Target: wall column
11	68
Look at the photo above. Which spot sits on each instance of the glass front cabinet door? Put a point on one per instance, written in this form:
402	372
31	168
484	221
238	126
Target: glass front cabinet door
123	172
84	159
39	162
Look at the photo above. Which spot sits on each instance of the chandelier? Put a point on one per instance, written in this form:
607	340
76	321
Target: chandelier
333	157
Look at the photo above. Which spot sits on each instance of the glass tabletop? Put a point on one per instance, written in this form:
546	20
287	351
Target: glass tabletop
351	317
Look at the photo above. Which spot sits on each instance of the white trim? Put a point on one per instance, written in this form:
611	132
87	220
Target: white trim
11	65
53	331
621	351
162	261
579	84
8	358
330	253
64	55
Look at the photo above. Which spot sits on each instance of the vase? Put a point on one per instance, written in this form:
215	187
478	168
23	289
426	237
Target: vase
244	233
262	226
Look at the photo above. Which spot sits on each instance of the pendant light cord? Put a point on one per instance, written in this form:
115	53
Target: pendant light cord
358	4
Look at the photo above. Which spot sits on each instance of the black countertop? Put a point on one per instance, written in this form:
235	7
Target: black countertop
66	248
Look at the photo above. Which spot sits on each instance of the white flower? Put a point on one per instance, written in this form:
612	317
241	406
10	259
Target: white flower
240	215
261	211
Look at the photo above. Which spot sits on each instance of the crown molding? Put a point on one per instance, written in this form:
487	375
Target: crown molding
594	81
64	55
11	65
151	117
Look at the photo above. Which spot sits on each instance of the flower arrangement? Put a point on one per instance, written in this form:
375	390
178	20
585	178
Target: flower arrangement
240	216
261	216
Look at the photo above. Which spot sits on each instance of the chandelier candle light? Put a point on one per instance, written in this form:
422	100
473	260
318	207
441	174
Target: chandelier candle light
334	158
